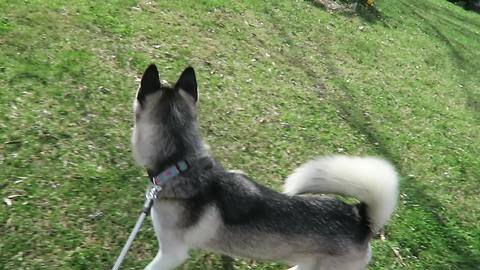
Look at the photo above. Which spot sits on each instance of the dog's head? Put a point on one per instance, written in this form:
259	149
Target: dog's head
165	118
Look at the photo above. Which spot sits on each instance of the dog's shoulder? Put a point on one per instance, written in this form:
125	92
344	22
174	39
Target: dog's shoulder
241	200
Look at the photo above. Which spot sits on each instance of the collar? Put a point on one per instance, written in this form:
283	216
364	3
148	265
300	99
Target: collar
170	172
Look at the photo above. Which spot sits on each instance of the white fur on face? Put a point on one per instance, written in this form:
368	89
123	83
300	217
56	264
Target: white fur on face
145	131
144	149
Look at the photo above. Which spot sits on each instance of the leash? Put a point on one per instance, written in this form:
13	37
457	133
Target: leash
150	196
157	182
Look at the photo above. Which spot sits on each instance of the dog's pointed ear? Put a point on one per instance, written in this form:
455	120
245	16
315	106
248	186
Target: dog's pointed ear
149	84
188	82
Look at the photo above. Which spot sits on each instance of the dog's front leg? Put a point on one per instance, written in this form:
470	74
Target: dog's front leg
308	264
168	260
171	253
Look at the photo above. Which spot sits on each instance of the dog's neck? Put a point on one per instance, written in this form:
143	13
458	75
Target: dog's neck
166	165
199	152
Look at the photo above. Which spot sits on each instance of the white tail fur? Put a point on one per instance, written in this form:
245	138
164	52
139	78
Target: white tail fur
371	180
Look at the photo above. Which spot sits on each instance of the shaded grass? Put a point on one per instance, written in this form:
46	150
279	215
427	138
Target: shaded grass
280	82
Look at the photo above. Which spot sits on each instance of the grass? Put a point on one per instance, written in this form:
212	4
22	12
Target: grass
280	82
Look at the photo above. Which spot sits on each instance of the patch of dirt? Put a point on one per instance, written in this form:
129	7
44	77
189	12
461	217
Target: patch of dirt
332	5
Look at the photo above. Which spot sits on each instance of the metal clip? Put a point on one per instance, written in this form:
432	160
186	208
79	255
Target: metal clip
153	192
150	196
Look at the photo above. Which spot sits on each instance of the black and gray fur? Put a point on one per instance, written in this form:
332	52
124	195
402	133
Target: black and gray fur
210	208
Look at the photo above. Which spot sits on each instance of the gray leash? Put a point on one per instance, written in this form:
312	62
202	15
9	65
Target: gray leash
150	196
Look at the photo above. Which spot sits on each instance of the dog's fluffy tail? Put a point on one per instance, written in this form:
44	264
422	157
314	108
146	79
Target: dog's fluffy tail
371	180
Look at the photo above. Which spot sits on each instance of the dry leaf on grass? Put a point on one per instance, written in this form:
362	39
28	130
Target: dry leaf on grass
329	5
7	201
382	236
397	254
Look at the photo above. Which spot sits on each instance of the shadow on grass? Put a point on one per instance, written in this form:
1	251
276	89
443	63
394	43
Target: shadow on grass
454	242
434	22
227	263
467	5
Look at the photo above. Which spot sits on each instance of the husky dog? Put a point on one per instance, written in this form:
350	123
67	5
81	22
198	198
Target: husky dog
204	206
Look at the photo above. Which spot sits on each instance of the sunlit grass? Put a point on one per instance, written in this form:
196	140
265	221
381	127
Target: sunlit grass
280	82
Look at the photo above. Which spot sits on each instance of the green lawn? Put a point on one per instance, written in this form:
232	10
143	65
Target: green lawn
280	82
